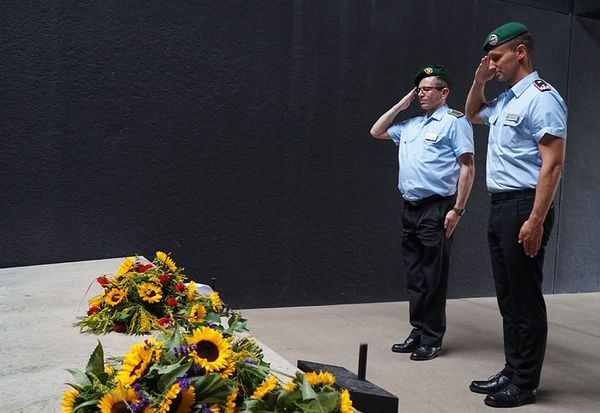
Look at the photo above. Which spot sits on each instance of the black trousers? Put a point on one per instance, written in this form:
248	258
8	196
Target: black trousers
518	280
426	253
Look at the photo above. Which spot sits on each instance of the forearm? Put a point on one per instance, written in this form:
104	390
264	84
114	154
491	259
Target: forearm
475	99
547	185
465	183
383	123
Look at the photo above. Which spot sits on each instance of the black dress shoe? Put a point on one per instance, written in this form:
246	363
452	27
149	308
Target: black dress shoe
492	385
409	345
510	396
425	352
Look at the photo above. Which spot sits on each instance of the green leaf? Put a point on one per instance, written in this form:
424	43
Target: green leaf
85	404
210	386
80	377
213	317
174	372
305	388
95	364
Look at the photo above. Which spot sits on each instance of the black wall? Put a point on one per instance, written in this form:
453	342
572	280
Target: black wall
236	136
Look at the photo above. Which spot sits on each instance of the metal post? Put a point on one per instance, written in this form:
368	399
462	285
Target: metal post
362	361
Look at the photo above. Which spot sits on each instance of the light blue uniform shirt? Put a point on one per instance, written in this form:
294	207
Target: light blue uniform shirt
428	148
518	119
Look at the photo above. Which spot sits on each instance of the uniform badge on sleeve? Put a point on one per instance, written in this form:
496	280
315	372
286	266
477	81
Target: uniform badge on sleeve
541	85
456	113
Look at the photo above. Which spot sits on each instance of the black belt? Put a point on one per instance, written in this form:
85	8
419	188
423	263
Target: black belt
427	200
505	196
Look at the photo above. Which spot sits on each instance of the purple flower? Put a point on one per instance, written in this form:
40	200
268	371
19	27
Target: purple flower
250	361
184	383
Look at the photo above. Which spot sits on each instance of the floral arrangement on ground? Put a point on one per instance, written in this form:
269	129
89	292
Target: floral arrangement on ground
142	298
197	363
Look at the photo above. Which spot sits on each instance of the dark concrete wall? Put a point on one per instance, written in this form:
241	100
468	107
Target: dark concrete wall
236	135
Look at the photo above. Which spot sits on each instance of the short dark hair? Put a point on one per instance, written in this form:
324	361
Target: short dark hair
443	81
525	39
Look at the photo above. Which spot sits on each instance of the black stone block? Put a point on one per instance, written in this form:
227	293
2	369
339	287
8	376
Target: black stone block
366	396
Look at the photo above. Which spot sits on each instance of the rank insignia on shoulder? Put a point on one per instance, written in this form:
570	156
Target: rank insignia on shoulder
541	85
456	113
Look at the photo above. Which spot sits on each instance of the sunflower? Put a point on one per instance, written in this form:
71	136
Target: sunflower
177	401
213	352
228	371
289	387
114	296
191	291
68	401
215	408
110	370
345	402
97	300
321	377
126	266
136	362
230	403
165	259
266	386
217	304
151	293
197	313
118	400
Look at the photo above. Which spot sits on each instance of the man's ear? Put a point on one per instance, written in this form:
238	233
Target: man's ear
522	51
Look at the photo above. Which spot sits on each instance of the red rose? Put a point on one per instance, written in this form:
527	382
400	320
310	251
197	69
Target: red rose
171	302
180	287
103	281
93	310
119	327
164	278
143	268
165	321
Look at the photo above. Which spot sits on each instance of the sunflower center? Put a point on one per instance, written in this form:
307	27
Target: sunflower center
120	407
207	350
150	293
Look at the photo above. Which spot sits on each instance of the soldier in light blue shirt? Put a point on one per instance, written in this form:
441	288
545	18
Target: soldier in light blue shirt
526	150
436	170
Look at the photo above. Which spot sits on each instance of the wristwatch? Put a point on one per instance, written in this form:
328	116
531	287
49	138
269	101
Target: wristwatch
459	211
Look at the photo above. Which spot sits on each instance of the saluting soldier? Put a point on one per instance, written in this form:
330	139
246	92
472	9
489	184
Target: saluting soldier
526	151
436	171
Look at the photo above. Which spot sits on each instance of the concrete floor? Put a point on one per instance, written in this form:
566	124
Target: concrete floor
39	304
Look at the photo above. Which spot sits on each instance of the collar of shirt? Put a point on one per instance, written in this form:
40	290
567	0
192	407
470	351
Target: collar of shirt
522	85
437	115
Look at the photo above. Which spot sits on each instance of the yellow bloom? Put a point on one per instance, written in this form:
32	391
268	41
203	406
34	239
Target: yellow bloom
265	387
126	266
165	259
97	300
149	292
321	377
197	313
217	304
136	362
289	386
191	291
213	352
114	296
179	401
118	400
228	371
68	401
345	402
215	409
230	403
110	370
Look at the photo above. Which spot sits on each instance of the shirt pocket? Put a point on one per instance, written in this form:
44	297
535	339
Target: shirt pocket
513	128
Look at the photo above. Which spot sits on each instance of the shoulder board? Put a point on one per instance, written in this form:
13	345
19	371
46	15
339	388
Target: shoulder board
456	113
541	85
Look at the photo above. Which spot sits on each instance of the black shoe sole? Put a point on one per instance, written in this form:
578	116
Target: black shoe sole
424	358
408	350
493	403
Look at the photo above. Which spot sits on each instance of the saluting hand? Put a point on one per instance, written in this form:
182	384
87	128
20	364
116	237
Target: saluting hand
530	236
484	72
407	100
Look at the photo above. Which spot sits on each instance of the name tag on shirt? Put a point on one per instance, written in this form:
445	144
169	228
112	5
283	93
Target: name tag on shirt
430	136
512	117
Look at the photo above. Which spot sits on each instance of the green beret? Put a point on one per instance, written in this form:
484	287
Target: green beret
503	34
431	70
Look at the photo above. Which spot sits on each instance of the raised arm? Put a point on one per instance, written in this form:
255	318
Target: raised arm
476	97
379	128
